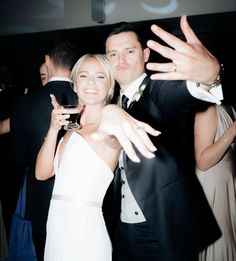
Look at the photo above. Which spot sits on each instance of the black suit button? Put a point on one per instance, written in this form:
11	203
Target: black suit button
122	182
136	212
123	196
122	168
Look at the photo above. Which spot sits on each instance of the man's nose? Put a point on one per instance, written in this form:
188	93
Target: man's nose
122	59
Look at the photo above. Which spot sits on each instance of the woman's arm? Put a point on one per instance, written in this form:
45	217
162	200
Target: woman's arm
127	130
207	152
45	158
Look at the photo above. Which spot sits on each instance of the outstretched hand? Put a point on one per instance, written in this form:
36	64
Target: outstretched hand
190	60
127	130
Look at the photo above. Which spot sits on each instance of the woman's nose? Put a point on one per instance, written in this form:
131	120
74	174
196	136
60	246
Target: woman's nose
91	80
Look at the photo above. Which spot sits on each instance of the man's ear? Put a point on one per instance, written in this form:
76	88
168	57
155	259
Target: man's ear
47	59
146	53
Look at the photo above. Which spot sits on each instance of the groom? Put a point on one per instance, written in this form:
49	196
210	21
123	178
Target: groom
163	213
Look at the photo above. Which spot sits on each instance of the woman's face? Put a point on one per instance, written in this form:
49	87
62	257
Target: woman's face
92	84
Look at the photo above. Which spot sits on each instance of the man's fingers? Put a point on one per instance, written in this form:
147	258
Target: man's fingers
171	40
187	31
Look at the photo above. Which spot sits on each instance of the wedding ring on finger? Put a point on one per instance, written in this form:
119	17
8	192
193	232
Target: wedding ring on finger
139	128
175	68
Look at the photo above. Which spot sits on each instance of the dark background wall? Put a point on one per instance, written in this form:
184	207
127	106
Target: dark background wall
24	53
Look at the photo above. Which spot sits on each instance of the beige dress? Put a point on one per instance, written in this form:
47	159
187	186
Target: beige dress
219	185
76	230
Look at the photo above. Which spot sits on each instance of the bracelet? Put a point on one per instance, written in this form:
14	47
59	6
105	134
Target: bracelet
218	79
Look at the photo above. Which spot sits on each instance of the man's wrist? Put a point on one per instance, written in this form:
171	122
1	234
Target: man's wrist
216	82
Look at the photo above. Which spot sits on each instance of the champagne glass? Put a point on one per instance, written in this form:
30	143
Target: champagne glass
73	110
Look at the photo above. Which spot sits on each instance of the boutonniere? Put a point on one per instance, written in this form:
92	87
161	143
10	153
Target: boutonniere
139	93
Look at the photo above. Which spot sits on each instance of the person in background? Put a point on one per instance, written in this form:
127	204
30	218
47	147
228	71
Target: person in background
30	119
43	72
215	132
163	213
3	237
83	171
5	124
16	248
10	90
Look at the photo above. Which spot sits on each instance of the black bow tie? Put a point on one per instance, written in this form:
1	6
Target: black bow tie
124	102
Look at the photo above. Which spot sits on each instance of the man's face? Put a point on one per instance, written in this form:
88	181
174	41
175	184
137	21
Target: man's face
126	57
43	74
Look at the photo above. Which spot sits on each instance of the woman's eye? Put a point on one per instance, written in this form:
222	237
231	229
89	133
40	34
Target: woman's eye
82	76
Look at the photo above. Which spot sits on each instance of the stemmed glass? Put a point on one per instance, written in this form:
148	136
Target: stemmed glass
74	111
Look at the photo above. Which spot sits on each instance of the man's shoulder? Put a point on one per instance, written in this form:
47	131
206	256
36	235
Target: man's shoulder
58	83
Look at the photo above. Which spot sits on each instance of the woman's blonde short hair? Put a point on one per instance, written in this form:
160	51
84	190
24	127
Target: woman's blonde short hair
102	58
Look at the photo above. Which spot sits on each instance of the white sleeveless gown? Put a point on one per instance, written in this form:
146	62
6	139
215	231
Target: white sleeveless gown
76	229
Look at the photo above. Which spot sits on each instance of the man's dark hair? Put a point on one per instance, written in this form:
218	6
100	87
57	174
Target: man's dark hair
62	50
123	27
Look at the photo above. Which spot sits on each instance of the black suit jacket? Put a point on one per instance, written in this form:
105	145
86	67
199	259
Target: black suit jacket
166	187
30	119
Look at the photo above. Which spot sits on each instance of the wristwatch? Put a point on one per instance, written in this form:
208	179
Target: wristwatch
218	79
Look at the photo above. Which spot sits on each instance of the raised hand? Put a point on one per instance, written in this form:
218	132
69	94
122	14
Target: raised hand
189	60
58	119
127	130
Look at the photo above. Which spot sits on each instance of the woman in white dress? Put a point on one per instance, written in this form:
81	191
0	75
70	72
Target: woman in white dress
83	169
215	132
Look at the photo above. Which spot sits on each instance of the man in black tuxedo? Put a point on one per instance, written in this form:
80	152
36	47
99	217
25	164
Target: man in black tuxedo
163	212
30	119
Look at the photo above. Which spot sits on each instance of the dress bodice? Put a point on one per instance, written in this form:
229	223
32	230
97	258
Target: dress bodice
81	174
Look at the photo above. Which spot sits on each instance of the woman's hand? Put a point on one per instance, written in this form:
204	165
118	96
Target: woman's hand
58	116
127	130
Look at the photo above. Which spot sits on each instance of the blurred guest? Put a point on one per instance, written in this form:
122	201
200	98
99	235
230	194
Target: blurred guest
43	72
215	132
3	237
5	126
